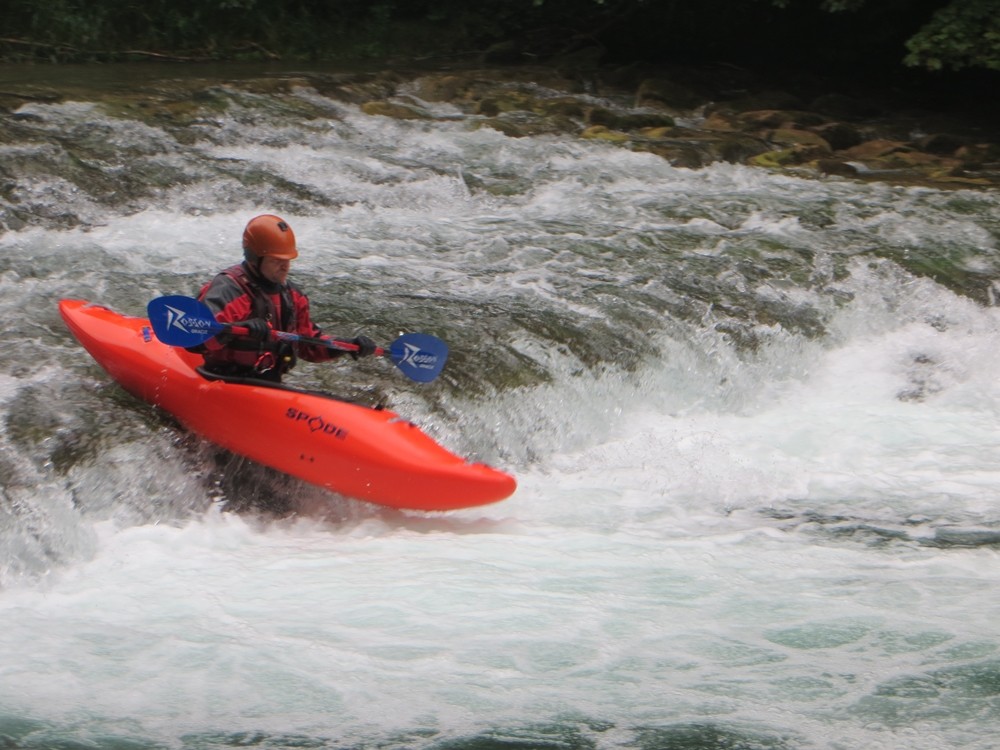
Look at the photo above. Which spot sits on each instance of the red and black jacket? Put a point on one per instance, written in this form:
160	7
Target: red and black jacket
238	294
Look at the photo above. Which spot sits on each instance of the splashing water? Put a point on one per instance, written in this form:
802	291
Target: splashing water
753	417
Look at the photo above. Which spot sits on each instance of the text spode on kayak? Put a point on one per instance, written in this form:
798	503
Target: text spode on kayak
316	423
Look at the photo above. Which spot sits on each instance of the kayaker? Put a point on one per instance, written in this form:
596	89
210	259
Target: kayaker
257	295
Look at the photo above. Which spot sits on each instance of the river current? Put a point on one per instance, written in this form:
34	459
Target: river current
754	420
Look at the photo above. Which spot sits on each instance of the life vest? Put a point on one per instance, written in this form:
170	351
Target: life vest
253	355
262	303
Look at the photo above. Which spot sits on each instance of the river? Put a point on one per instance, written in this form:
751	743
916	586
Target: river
754	420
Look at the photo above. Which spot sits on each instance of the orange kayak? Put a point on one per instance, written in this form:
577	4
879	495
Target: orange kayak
364	453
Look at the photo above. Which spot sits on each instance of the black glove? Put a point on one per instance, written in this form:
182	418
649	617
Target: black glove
366	347
257	328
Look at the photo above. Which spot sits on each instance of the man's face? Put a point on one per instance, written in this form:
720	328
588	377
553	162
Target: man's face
275	270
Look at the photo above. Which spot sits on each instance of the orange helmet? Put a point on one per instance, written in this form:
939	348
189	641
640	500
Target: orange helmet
269	236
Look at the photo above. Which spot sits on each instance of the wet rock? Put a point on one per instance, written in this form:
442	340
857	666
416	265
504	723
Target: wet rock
505	101
941	144
677	154
785	157
562	107
779	119
684	147
881	154
975	156
738	149
524	124
874	150
840	135
836	167
722	121
603	133
357	88
795	147
661	92
803	138
444	88
909	159
396	110
628	120
494	100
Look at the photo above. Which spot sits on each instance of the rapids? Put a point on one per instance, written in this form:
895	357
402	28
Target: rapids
755	420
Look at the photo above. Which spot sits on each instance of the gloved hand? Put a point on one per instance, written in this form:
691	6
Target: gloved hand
257	328
366	347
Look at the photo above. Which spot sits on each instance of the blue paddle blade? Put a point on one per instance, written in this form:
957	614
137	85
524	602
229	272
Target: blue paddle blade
182	321
420	356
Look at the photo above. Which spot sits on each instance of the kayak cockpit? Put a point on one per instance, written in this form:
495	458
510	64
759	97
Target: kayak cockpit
263	383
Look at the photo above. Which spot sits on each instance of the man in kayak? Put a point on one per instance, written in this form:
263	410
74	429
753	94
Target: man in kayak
257	295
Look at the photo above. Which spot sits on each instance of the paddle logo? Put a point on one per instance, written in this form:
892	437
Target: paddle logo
419	356
180	320
416	357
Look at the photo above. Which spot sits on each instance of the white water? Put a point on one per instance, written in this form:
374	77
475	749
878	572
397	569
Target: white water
789	549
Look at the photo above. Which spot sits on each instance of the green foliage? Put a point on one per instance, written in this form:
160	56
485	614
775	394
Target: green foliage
938	34
958	34
965	33
109	29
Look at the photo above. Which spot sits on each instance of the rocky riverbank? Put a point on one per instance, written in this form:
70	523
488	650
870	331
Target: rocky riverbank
691	118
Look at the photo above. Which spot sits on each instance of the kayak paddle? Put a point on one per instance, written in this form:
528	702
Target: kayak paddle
186	322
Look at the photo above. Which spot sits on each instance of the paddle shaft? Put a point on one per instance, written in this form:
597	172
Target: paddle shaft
186	322
344	346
